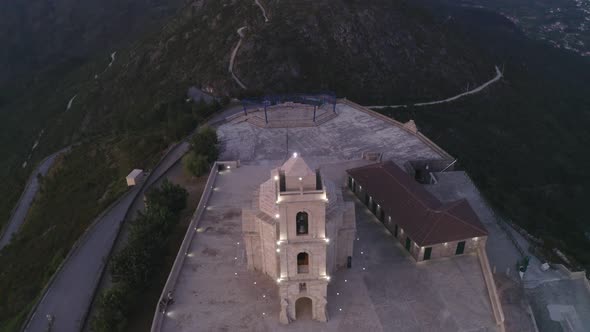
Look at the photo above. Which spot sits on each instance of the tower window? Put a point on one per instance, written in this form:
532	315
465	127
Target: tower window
301	220
302	262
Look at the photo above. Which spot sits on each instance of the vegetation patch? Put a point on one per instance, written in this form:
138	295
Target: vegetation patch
203	152
133	268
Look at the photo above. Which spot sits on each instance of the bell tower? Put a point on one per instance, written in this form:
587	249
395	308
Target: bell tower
302	245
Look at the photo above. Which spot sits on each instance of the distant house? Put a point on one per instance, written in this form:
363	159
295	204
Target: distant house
426	227
134	178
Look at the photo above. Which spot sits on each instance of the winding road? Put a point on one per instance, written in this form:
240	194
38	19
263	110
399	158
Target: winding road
17	218
70	292
498	76
234	52
233	57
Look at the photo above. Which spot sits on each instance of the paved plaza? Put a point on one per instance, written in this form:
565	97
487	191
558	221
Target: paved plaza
384	291
343	138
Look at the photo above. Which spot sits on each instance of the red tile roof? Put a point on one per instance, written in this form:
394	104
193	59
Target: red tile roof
422	216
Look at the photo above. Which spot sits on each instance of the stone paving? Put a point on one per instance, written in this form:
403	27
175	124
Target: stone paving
384	291
343	138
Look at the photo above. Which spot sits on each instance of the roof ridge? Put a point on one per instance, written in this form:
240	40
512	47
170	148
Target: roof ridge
435	223
456	203
405	187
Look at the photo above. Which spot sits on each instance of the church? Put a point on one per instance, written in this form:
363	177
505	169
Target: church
299	231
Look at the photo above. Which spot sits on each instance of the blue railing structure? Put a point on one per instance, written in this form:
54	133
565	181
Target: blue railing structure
317	100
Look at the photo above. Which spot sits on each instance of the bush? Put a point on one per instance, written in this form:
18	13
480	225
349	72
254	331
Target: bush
195	164
204	143
113	310
168	196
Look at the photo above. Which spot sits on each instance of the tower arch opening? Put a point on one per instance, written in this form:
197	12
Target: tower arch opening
302	262
302	223
303	308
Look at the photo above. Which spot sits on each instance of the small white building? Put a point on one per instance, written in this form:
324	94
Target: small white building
135	177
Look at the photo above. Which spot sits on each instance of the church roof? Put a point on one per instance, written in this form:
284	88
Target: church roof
296	166
424	218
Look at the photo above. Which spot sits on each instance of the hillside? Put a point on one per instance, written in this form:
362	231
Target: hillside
372	51
523	140
125	114
45	35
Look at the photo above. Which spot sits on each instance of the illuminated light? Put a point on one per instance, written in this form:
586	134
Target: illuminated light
278	243
254	282
360	187
228	166
345	280
236	273
475	238
337	293
276	178
190	255
263	295
340	309
277	216
362	252
278	280
238	243
364	269
236	258
327	240
328	278
200	230
278	249
446	244
264	314
300	179
294	154
357	238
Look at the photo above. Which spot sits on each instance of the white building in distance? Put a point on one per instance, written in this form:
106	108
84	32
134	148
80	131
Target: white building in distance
299	231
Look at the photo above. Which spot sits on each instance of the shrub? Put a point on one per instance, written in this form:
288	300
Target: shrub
204	143
114	308
195	164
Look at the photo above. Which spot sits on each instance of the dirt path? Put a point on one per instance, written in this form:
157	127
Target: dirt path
262	9
233	57
498	76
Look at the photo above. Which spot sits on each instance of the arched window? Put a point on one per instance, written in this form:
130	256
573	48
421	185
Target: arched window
301	220
302	262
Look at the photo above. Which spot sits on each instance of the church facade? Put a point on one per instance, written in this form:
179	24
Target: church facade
298	231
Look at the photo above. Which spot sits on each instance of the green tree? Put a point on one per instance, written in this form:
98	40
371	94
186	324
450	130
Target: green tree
204	143
113	310
168	196
195	164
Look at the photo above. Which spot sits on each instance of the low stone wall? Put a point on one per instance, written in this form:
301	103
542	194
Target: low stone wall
182	252
491	286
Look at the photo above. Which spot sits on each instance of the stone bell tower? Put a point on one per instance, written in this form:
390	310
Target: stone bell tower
302	241
298	231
